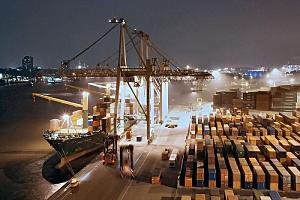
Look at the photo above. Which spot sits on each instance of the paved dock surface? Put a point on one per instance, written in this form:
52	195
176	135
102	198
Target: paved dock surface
104	182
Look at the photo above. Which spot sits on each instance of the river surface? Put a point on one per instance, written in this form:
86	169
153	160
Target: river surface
22	147
22	121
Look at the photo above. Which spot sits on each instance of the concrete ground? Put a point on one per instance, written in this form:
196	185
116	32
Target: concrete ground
104	182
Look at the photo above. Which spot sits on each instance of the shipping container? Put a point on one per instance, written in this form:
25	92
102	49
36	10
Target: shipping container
246	174
222	172
274	195
200	196
295	178
186	197
234	174
200	173
228	193
284	176
271	176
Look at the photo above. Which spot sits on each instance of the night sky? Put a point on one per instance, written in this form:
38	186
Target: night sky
201	33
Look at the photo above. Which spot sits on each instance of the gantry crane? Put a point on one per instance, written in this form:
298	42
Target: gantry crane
150	74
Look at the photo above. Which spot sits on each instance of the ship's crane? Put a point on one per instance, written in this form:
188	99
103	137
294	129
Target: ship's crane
45	96
83	106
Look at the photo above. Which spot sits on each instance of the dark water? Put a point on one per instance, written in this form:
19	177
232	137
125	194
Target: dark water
23	151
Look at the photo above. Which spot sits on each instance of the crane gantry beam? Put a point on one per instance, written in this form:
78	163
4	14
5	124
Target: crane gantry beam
127	72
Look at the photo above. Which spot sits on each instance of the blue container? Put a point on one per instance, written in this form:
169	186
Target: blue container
274	195
200	183
90	123
260	186
248	185
212	175
206	130
243	132
271	130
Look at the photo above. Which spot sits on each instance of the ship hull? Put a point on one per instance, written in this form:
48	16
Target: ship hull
78	145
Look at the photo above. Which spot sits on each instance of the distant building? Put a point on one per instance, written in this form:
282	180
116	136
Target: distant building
27	63
282	98
290	68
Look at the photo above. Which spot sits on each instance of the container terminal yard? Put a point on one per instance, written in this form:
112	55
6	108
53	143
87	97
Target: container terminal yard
150	128
243	146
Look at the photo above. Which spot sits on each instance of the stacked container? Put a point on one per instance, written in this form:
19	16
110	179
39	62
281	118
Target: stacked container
210	164
295	176
234	174
271	176
222	172
259	180
246	174
284	176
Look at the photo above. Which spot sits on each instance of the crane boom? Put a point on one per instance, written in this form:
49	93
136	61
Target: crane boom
84	89
57	100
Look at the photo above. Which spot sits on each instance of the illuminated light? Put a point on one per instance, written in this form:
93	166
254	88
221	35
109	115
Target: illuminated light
108	85
65	117
85	94
292	80
251	77
270	82
187	67
234	77
79	67
275	72
102	86
196	69
216	74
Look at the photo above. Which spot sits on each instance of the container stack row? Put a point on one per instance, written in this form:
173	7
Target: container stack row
237	150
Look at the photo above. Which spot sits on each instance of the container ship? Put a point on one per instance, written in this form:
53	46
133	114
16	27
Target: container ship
79	134
68	142
71	139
